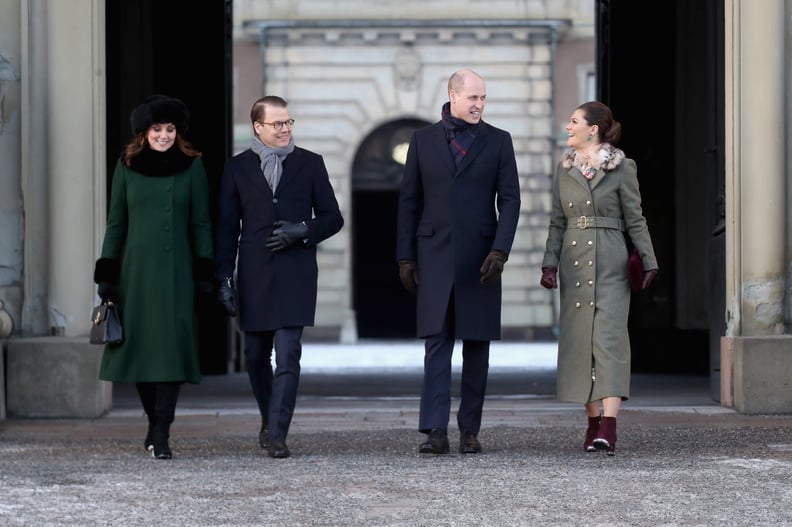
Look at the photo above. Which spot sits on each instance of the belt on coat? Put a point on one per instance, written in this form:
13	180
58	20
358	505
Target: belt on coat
595	222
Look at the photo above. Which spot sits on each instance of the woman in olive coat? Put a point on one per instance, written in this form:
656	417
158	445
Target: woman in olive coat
595	201
157	247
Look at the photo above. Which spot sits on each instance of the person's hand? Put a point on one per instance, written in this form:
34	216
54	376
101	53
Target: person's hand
107	292
492	267
227	296
286	233
408	273
648	277
549	280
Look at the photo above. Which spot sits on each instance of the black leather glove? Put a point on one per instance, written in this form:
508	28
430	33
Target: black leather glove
107	292
227	296
648	278
492	267
408	273
286	234
549	280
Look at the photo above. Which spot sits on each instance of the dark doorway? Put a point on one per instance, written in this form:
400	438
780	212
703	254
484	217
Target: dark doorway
182	49
384	310
668	95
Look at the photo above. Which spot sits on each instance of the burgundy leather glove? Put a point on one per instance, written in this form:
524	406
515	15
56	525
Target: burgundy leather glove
492	268
408	273
549	280
648	277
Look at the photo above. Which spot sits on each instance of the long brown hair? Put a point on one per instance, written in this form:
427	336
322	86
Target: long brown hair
139	143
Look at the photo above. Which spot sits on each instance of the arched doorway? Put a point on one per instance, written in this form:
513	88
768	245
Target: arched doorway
384	310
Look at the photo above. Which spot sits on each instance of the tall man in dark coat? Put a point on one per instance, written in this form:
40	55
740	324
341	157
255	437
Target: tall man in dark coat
452	245
283	198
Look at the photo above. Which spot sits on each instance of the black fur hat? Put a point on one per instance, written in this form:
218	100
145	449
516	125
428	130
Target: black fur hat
160	109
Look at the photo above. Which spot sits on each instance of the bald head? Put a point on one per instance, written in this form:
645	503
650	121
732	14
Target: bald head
467	94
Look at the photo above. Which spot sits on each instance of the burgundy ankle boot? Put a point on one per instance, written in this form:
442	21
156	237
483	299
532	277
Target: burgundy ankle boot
606	436
591	434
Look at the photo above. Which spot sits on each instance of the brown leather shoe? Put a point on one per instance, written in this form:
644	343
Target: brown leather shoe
469	443
277	448
436	443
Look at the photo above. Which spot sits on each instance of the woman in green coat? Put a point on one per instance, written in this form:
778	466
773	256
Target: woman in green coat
595	201
157	248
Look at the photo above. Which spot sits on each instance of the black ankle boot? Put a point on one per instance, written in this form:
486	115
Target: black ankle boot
160	434
148	443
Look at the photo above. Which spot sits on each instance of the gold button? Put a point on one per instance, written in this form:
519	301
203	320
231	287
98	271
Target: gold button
590	263
588	202
570	204
577	284
574	243
576	263
590	242
591	303
591	282
577	304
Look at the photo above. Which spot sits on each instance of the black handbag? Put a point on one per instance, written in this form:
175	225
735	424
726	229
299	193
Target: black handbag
106	325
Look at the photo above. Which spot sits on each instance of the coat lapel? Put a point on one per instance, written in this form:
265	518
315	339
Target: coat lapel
440	144
254	173
475	149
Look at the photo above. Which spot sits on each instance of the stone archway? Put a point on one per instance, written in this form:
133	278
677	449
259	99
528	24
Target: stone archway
383	308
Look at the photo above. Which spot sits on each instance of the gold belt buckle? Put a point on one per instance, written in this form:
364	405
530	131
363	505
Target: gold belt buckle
583	223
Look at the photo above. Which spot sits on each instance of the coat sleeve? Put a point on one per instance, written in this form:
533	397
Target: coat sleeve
200	221
508	197
558	225
327	218
117	217
229	216
630	198
410	203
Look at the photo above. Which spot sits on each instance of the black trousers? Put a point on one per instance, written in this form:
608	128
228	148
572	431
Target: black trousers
276	395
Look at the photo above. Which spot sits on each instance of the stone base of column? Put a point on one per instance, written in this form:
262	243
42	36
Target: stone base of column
55	377
756	374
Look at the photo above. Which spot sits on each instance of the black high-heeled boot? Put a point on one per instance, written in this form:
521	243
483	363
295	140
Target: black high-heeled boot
148	397
165	411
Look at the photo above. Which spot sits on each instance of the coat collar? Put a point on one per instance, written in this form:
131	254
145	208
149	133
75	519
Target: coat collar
441	145
610	158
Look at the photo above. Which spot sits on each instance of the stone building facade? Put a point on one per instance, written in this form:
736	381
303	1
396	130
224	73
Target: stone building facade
345	81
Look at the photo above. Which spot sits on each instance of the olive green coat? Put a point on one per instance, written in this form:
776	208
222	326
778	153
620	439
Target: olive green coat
592	275
157	226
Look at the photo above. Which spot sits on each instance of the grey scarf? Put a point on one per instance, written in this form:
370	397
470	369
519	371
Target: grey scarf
271	159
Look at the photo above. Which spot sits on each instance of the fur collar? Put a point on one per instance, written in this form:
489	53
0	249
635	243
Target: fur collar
158	164
610	157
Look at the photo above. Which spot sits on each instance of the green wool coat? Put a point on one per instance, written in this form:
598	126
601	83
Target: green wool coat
156	228
592	274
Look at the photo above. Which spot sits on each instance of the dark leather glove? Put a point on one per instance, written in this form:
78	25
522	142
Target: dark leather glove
648	277
286	233
107	292
227	296
549	280
408	273
492	267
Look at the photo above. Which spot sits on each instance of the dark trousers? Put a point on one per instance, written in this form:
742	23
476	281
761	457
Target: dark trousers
275	394
436	390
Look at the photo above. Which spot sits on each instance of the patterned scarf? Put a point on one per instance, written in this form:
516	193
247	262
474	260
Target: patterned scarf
460	134
271	159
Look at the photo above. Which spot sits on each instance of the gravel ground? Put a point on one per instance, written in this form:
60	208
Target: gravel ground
671	469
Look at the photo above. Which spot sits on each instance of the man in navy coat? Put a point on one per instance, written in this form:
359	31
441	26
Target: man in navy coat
458	210
276	204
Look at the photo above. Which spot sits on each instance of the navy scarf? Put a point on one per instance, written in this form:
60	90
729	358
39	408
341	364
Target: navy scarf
460	134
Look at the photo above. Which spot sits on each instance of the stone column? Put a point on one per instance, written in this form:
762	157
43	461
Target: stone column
756	361
75	115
